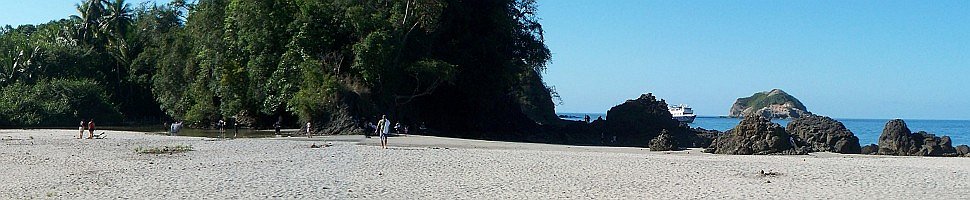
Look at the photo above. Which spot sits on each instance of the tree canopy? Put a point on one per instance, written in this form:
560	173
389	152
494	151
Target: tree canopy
471	68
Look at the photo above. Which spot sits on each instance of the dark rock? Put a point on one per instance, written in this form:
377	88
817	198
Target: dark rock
930	146
535	100
755	135
963	150
700	137
663	142
871	149
897	139
947	146
636	122
824	134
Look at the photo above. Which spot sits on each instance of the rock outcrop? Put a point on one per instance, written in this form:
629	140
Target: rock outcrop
755	135
897	139
772	104
636	122
663	142
821	133
871	149
702	137
963	150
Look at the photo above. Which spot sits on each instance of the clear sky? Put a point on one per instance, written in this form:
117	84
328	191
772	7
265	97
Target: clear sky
845	59
18	12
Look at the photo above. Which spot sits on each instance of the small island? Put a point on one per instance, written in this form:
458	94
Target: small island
773	104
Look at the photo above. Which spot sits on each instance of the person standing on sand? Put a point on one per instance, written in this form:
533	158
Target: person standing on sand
309	129
222	127
81	129
277	126
235	129
384	127
91	129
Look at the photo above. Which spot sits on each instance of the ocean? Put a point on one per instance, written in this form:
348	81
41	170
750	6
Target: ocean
868	130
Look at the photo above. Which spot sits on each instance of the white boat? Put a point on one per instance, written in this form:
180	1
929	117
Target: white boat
682	113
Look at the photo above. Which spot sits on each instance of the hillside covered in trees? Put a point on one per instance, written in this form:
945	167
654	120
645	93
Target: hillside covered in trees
464	68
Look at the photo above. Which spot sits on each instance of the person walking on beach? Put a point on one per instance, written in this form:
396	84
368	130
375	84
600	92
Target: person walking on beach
81	129
171	128
384	128
277	126
309	129
91	129
221	125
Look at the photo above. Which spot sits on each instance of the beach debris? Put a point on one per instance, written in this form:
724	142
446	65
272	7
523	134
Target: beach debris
164	149
315	146
769	173
11	138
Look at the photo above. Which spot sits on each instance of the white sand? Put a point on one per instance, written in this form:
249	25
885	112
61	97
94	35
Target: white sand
50	163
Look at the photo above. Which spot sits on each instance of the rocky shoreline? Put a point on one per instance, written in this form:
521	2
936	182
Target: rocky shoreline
645	122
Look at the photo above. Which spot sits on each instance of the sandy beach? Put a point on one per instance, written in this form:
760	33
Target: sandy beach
52	164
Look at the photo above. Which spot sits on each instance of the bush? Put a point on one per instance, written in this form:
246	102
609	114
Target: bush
57	102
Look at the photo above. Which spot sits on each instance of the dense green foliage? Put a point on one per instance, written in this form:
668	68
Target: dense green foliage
55	102
774	97
452	64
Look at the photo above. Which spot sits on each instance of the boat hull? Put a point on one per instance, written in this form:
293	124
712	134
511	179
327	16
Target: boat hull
685	118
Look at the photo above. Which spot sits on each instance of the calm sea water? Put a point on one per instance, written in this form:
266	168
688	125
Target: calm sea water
868	130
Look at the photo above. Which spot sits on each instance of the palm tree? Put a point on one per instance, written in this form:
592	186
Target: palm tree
117	19
89	17
115	23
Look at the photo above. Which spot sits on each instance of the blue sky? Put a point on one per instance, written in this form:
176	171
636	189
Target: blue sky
17	12
846	59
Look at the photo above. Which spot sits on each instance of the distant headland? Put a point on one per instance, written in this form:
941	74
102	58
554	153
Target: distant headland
773	104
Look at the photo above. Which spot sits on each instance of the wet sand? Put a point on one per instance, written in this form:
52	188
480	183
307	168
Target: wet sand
52	164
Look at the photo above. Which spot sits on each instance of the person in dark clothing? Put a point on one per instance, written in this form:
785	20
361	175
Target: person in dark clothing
91	129
277	126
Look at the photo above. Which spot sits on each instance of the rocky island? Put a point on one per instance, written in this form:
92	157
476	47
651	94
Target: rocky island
772	104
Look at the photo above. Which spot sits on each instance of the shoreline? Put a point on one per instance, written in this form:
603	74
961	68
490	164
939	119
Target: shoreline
51	164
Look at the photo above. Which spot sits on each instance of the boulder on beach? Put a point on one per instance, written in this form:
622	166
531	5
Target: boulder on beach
755	135
663	142
897	139
822	133
771	104
871	149
636	122
700	137
963	150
